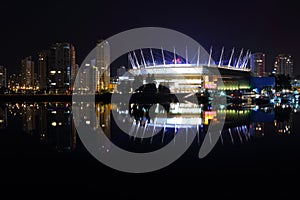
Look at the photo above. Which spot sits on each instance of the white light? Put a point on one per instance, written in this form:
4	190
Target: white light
53	112
59	72
88	122
53	123
59	123
52	72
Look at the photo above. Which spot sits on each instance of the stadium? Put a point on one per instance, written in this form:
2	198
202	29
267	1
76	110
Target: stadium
183	75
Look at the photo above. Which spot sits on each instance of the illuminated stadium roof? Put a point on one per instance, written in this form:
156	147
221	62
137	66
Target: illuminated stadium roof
194	72
159	61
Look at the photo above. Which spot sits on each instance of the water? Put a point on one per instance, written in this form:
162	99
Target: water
39	144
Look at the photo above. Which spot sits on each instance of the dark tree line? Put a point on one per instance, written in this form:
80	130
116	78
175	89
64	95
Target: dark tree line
282	82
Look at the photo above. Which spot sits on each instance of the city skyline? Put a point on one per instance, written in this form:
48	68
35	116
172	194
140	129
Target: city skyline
56	70
40	59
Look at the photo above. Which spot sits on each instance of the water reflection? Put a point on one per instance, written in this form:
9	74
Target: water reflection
52	123
284	118
241	123
3	117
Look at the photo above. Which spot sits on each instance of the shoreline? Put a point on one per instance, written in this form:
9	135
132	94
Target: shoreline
105	98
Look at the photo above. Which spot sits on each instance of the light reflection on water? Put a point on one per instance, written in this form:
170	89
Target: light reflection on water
52	123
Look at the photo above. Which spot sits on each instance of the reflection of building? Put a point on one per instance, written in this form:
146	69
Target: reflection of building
102	63
282	127
62	67
27	71
234	117
257	64
3	77
283	121
51	123
61	134
41	124
3	118
28	119
284	65
257	128
259	119
103	113
43	57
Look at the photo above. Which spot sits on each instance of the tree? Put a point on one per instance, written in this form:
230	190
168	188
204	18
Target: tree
283	82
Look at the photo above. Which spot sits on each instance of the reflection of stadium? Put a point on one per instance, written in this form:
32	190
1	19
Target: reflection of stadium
186	76
191	118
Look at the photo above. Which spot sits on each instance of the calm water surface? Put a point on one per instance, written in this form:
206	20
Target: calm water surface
39	144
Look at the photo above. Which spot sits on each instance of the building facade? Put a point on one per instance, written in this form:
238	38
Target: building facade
62	67
43	61
27	73
102	64
283	65
257	64
3	77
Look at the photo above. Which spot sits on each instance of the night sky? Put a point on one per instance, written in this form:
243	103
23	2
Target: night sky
272	27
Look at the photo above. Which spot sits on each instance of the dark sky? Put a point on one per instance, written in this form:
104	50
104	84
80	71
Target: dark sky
272	27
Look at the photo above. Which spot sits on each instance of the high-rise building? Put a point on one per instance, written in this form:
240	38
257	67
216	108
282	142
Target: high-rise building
43	61
3	77
283	65
74	73
257	64
27	72
61	64
14	82
88	78
102	63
